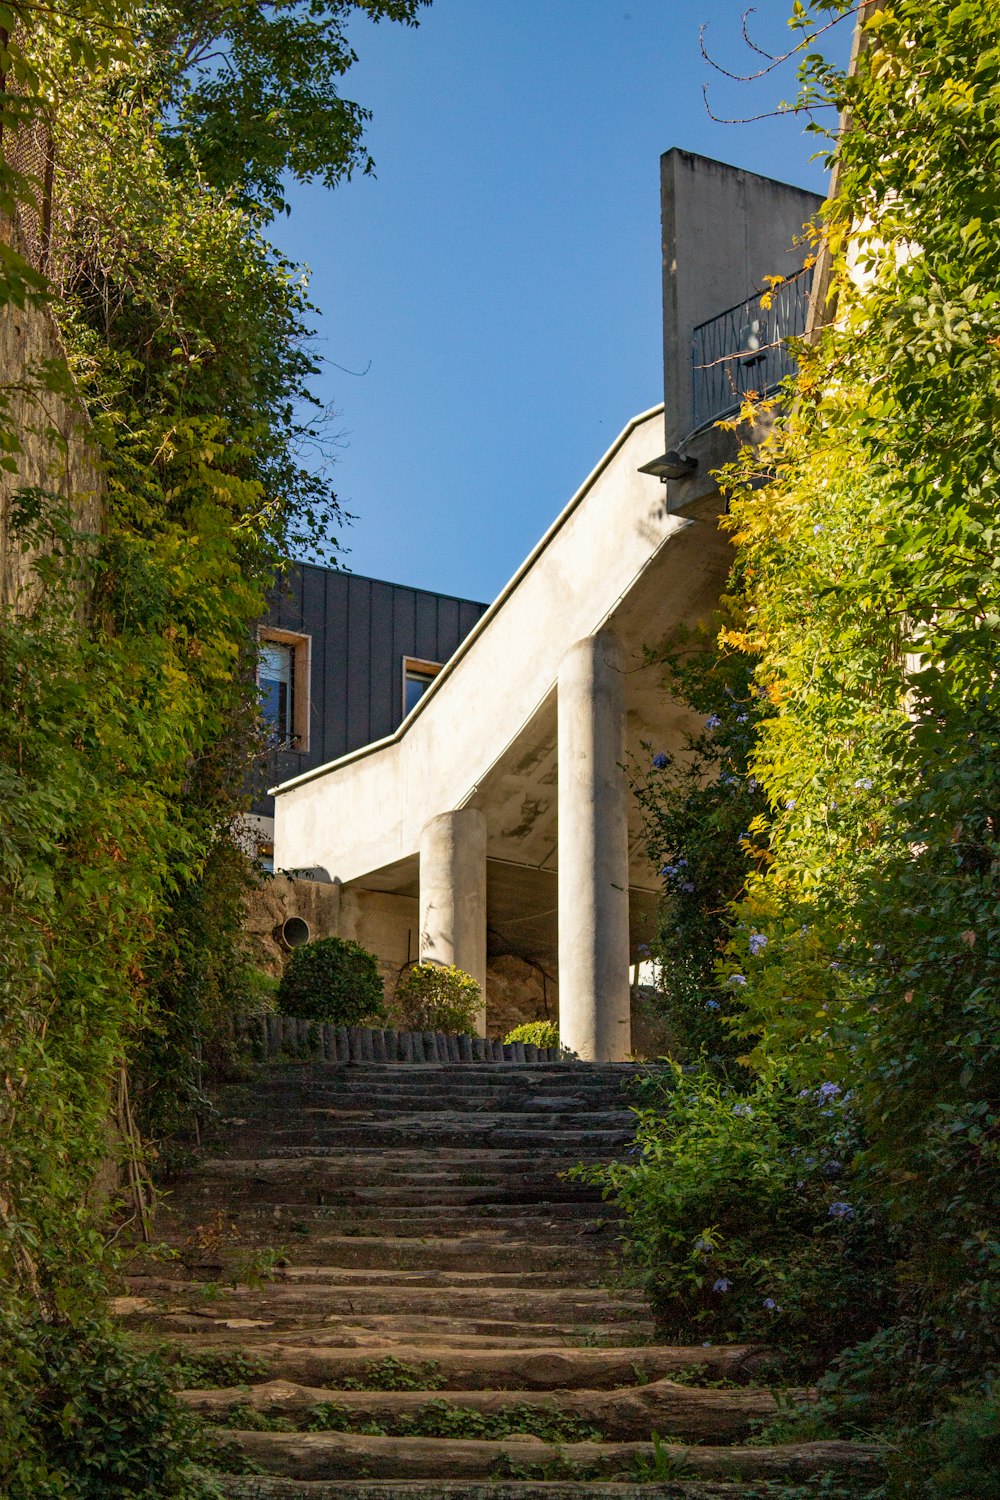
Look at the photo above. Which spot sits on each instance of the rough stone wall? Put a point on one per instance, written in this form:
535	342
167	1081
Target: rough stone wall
517	991
280	897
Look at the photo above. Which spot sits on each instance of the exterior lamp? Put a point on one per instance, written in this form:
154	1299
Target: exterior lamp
671	465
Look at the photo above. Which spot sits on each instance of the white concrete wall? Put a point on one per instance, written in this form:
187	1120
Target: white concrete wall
366	811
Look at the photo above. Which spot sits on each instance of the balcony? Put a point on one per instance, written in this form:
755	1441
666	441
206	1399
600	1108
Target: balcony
745	348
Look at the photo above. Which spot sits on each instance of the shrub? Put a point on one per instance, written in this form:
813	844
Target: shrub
83	1415
744	1217
332	979
438	997
535	1034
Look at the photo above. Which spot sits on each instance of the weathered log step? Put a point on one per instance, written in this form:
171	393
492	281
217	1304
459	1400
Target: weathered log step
450	1129
305	1306
314	1362
405	1161
388	1331
382	1195
581	1255
630	1414
332	1455
522	1215
270	1487
549	1102
318	1280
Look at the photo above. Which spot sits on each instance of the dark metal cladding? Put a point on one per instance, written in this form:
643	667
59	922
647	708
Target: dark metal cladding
360	630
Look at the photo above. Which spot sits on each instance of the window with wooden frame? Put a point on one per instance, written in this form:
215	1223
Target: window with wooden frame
283	666
417	678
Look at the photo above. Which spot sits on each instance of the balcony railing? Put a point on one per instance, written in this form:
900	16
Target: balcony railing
746	348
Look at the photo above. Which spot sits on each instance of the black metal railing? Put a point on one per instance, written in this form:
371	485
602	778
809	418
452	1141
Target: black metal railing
745	348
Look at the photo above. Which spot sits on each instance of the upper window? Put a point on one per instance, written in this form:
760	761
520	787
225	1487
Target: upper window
283	684
417	678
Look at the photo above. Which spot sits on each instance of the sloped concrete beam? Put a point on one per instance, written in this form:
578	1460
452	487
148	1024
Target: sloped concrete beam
593	852
453	895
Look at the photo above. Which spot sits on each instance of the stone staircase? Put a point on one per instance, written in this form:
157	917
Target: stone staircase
384	1286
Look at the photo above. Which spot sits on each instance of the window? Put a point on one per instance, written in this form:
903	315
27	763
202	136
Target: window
283	684
417	678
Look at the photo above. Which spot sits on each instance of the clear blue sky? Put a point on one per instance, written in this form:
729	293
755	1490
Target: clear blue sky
500	277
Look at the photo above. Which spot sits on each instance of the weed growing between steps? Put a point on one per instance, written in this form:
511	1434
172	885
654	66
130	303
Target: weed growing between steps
202	1372
438	1419
392	1374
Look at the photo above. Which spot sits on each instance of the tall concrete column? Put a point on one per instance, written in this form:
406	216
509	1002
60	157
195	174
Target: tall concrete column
453	895
594	1015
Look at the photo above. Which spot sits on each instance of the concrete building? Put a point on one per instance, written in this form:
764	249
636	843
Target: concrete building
495	822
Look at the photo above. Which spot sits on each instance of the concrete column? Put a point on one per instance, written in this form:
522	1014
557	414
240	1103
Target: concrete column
453	895
593	852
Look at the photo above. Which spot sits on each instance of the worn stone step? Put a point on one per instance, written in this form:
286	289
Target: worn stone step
313	1361
333	1455
629	1414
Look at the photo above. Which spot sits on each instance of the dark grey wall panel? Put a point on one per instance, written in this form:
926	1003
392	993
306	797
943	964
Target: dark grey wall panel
361	628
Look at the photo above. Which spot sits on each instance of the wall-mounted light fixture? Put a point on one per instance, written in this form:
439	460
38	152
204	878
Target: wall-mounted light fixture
671	465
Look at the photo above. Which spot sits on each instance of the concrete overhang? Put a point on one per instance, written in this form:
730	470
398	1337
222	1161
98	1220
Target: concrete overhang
622	555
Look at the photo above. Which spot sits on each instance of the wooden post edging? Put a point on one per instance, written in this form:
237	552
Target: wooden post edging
273	1037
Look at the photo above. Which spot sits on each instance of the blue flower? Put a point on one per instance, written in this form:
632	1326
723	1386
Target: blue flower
864	783
771	1305
660	761
743	838
840	1211
790	804
827	1091
711	1005
713	722
723	1285
687	886
702	1245
743	1109
737	979
817	529
741	718
758	942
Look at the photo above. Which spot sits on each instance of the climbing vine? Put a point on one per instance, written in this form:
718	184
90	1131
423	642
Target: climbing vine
133	574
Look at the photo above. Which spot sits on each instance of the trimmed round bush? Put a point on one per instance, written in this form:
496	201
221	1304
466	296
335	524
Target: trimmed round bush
535	1034
332	979
438	997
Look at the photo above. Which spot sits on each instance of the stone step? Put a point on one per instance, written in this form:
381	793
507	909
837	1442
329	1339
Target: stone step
629	1414
312	1361
335	1455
